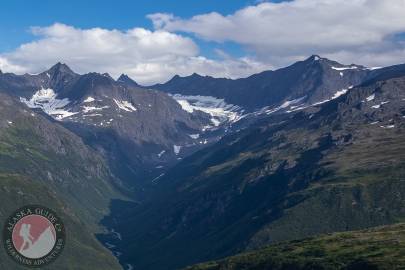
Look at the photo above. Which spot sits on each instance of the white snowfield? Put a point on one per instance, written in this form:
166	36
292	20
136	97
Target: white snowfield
87	109
161	153
389	126
285	105
297	101
370	98
89	99
219	110
125	105
47	100
176	149
194	136
379	105
351	67
336	95
344	68
340	92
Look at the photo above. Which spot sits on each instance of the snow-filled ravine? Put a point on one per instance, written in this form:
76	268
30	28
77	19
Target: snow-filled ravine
217	108
46	99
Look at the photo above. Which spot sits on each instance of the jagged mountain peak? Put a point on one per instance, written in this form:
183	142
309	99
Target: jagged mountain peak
315	57
124	78
192	76
98	77
328	63
195	75
316	78
60	68
106	74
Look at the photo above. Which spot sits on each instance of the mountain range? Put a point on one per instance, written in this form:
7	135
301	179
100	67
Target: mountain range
333	166
200	168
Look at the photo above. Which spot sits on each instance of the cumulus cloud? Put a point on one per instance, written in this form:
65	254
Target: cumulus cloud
7	66
368	32
352	31
147	56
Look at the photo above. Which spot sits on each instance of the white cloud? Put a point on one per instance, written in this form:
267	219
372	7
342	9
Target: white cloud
352	31
147	56
275	34
7	66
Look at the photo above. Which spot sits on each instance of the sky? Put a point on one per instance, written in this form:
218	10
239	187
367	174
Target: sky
154	40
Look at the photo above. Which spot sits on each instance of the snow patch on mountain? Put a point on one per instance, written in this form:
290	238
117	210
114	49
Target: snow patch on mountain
285	105
336	95
87	109
344	68
389	126
161	153
194	136
46	100
370	98
217	108
157	178
176	149
92	115
374	68
125	105
89	99
341	92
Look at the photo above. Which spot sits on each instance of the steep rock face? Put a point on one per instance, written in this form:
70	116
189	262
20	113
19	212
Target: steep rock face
143	132
125	79
314	80
136	129
331	167
43	163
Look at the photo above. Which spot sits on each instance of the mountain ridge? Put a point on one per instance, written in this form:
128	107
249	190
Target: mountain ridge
317	170
44	163
269	87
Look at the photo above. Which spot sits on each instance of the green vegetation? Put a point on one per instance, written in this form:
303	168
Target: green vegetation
43	163
378	248
335	168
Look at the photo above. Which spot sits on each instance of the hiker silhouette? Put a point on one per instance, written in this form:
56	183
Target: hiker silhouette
25	233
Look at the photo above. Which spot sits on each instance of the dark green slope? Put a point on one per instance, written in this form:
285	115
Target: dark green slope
335	167
378	248
43	163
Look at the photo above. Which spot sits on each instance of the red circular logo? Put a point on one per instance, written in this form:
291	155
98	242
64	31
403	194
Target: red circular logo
34	236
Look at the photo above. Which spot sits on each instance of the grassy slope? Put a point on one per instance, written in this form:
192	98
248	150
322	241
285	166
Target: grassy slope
354	196
42	163
297	175
377	248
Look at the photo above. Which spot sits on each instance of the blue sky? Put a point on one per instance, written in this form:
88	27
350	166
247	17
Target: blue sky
17	16
153	40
